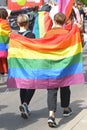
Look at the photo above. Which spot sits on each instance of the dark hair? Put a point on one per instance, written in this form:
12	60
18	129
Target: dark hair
35	8
79	3
59	18
3	13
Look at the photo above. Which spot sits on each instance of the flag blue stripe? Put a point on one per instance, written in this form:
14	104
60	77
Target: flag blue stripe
45	73
3	46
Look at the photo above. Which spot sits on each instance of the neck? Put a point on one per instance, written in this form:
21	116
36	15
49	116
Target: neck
58	26
22	29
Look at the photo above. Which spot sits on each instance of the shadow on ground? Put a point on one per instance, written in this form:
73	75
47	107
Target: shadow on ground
13	121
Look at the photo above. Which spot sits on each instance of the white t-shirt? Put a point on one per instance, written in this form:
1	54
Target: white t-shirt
53	11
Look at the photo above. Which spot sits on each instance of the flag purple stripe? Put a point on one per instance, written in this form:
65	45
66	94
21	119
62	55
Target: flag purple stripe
44	84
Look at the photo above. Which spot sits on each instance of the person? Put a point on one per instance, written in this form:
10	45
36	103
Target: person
5	27
25	94
77	18
47	6
82	14
59	20
71	21
53	11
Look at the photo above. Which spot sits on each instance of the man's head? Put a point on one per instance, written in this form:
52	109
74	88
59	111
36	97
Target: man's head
3	13
59	18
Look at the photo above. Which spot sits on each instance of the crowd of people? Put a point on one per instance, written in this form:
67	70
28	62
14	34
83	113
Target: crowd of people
60	26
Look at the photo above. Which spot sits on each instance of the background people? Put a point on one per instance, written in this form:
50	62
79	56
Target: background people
5	26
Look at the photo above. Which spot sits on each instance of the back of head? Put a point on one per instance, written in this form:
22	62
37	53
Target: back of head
59	18
3	13
79	5
22	20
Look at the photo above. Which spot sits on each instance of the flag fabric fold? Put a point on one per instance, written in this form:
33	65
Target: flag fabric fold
51	62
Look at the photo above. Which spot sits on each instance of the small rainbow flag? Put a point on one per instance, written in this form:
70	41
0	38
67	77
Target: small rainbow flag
65	6
55	61
4	37
42	24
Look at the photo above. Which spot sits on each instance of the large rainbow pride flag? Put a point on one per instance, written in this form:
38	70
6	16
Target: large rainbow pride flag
42	24
55	61
4	37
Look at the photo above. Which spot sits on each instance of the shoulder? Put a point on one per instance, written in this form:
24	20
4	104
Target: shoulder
27	34
56	31
30	35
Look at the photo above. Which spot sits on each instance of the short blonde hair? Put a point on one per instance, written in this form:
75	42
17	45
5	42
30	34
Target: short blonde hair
22	19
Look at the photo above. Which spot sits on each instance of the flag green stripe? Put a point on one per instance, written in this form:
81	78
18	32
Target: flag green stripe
39	63
4	39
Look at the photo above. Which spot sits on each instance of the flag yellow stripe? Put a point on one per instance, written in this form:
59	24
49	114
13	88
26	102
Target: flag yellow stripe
54	55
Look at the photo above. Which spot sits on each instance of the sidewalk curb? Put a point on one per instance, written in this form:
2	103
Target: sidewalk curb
79	122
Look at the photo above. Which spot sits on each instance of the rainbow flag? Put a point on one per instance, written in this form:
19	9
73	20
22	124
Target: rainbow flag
55	61
65	6
4	37
42	24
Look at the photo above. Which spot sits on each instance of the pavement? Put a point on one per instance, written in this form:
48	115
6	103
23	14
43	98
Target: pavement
79	122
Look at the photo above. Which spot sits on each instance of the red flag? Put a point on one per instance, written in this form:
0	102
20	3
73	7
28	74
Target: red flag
19	4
